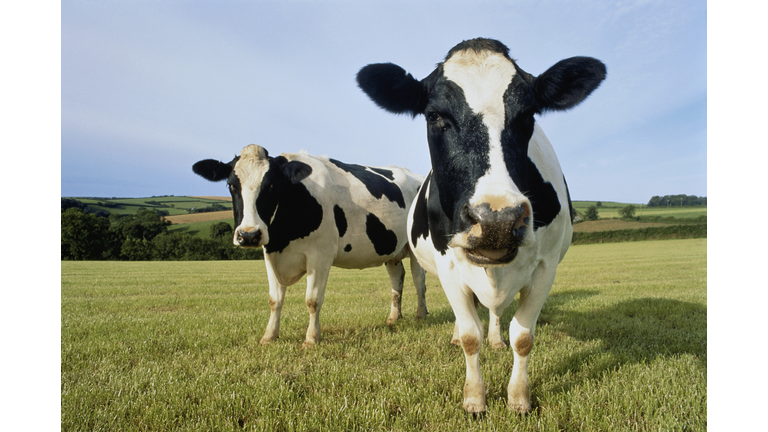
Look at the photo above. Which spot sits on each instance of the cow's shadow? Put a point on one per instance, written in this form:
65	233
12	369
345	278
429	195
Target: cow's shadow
630	332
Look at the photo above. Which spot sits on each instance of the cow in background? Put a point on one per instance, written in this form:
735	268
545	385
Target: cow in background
310	213
493	217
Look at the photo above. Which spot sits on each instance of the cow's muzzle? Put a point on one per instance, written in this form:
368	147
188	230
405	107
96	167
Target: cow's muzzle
496	235
248	237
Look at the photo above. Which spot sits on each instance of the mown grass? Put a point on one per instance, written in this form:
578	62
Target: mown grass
621	345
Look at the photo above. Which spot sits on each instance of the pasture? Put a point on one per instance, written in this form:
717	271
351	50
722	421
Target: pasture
172	204
621	344
610	210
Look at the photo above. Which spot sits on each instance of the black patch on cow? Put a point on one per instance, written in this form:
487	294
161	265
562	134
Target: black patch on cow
459	146
340	219
543	197
384	240
385	172
520	106
420	226
347	248
375	182
287	207
439	222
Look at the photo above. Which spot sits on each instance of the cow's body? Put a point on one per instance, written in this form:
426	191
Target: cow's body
493	217
310	213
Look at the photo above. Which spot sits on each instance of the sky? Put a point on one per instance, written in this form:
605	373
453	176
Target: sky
149	88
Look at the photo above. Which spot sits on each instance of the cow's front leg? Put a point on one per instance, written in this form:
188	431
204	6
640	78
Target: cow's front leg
276	299
316	281
470	337
521	334
396	277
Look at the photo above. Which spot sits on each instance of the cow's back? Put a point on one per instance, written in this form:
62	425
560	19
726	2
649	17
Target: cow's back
365	209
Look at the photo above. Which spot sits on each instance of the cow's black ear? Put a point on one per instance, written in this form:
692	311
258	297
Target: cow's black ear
392	88
567	83
213	170
296	171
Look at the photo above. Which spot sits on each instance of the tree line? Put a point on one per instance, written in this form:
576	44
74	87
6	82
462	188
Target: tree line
140	237
676	200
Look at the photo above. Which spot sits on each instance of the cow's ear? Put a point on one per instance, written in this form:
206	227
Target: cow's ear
567	83
296	171
213	170
392	88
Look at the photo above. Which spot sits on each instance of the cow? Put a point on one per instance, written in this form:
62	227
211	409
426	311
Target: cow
310	213
493	216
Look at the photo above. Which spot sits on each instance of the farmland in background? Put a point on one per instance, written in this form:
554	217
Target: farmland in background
621	344
610	210
172	205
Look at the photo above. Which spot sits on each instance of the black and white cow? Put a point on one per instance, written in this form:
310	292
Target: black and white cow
310	213
493	217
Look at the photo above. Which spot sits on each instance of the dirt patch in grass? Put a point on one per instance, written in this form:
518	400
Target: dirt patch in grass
613	225
199	217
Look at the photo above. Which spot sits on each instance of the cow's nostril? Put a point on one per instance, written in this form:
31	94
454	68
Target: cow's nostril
248	237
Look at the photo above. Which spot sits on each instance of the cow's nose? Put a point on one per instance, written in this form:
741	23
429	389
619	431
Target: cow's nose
498	229
246	237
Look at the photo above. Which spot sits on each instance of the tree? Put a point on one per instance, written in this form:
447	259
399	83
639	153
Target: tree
221	231
627	212
83	236
591	213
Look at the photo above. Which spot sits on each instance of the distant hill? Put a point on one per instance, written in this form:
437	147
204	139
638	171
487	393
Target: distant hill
163	205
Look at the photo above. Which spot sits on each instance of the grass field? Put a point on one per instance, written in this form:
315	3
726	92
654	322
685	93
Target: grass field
611	210
621	345
173	205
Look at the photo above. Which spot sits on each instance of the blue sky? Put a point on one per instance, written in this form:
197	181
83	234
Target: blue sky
148	88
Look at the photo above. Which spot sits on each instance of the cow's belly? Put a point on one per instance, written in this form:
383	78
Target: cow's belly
359	253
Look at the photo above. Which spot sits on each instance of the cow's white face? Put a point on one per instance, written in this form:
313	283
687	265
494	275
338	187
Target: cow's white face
247	182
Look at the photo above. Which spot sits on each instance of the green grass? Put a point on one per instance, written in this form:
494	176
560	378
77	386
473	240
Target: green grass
621	345
610	210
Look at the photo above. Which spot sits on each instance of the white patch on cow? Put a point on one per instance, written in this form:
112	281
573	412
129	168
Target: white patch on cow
484	77
250	170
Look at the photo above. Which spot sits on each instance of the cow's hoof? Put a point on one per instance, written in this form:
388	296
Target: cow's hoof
474	406
265	341
307	345
392	320
497	345
520	407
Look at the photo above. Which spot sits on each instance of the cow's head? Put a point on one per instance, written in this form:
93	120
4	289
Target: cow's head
256	182
480	107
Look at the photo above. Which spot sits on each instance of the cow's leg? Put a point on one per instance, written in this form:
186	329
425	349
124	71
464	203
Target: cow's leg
420	282
521	334
276	298
494	330
317	278
470	336
396	277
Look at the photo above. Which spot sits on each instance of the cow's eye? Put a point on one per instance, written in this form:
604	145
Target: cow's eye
433	117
